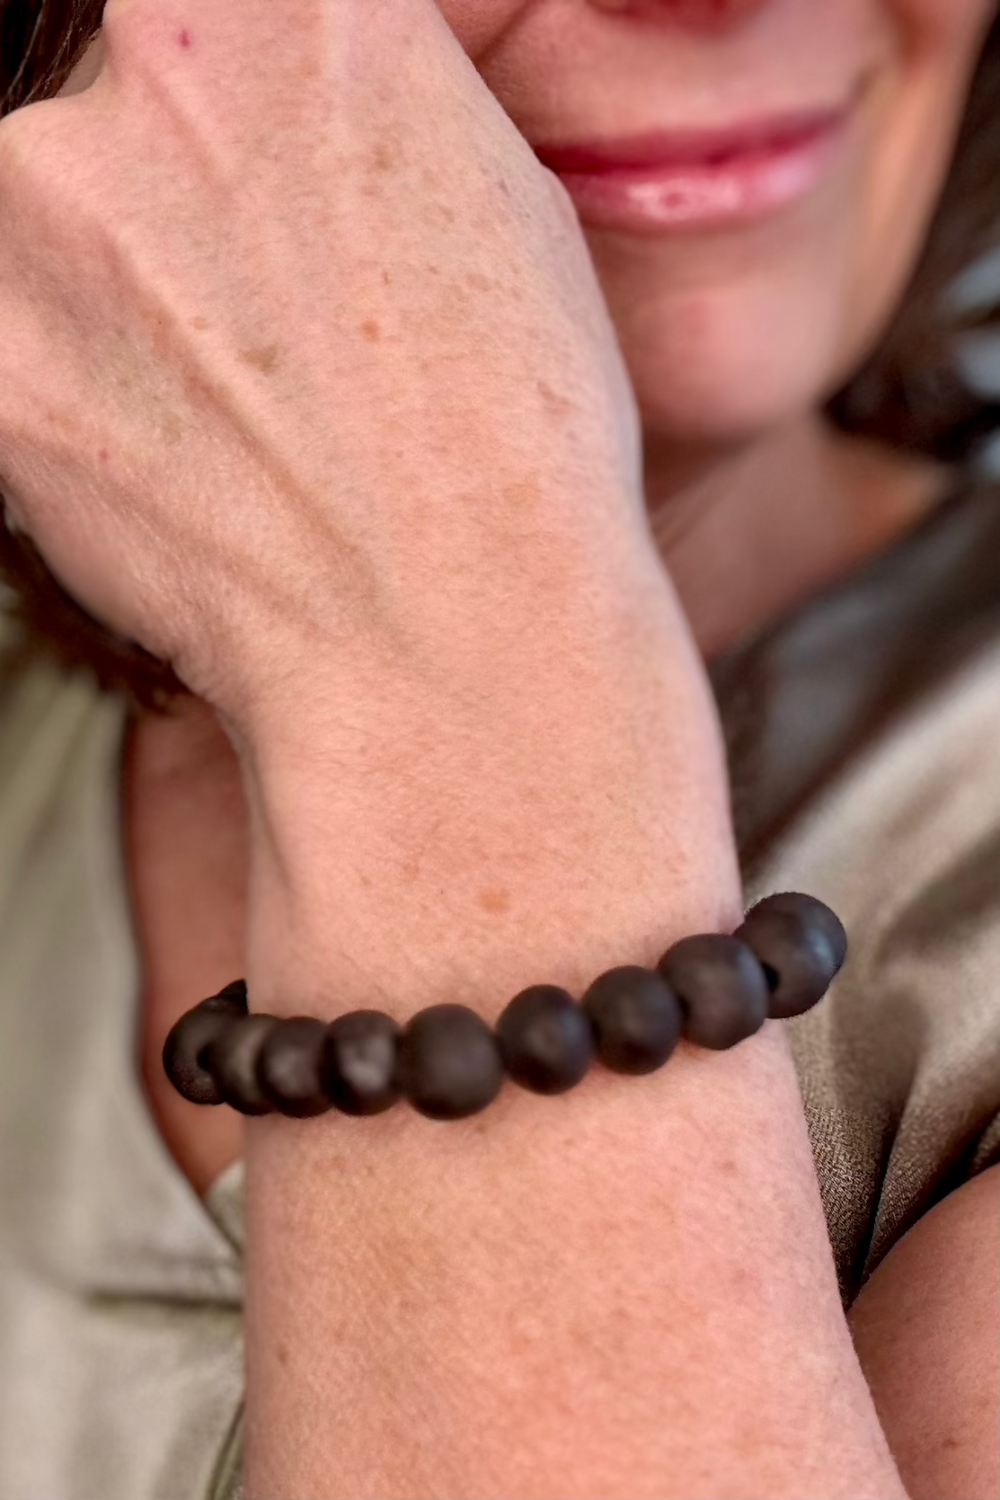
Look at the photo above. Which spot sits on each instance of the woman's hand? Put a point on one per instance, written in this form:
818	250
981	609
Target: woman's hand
306	384
303	350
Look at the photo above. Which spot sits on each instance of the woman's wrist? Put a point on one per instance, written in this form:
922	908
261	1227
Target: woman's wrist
406	843
498	592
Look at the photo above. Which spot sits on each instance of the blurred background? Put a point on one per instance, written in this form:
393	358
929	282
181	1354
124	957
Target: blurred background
980	353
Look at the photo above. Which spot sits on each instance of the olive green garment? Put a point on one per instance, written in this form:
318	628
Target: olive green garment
864	738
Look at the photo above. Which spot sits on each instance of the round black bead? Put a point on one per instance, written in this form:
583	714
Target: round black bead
184	1048
234	995
449	1062
801	945
637	1018
359	1069
290	1067
546	1040
231	1058
721	987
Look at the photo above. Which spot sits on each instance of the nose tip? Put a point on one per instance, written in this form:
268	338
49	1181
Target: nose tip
694	14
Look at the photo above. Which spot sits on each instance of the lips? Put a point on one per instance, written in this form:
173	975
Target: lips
689	148
680	181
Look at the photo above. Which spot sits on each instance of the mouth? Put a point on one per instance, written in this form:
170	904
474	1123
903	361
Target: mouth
666	181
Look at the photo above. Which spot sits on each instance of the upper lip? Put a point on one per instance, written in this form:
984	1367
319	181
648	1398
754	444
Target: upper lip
686	147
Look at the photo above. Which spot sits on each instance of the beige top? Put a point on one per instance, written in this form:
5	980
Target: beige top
868	776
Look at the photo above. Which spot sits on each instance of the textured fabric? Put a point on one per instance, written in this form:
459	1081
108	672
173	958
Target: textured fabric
863	733
864	739
120	1293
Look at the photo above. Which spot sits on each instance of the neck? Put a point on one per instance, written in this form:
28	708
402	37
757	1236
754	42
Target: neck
755	530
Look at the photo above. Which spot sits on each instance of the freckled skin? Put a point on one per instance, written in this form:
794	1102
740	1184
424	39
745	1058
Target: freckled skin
384	157
495	901
263	359
552	401
701	326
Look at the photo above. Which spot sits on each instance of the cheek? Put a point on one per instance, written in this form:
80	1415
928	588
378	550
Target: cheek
477	24
915	114
943	25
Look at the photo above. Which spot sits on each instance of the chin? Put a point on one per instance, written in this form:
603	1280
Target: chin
723	380
730	339
723	418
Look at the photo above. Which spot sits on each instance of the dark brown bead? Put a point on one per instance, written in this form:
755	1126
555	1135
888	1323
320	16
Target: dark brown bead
546	1040
184	1049
637	1018
449	1062
290	1067
234	996
359	1073
721	987
231	1058
801	945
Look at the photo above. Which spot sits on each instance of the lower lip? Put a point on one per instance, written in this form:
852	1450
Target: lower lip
702	195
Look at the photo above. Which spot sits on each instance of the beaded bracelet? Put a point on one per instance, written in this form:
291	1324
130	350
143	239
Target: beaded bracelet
714	990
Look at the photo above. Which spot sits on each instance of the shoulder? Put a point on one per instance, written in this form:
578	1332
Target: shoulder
925	1330
899	1064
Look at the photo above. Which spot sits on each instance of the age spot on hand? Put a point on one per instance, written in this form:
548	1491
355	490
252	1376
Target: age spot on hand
553	401
384	155
263	359
523	495
495	901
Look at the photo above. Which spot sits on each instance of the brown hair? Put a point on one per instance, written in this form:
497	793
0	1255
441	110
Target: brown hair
909	394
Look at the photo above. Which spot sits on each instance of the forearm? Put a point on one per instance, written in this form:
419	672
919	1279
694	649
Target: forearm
626	1290
623	1292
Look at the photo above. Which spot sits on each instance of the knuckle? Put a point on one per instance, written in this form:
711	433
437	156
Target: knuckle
39	148
121	17
133	31
17	134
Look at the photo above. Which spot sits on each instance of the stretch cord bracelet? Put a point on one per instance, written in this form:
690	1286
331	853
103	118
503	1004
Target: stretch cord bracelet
712	989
